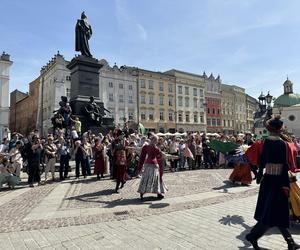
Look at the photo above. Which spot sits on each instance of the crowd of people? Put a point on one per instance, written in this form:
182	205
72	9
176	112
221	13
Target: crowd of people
122	155
118	154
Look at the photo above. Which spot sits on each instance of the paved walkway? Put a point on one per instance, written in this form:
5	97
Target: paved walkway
200	211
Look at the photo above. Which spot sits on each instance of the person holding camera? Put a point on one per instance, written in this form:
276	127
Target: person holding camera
63	148
50	157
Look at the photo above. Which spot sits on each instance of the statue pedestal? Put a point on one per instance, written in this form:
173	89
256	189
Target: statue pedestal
85	83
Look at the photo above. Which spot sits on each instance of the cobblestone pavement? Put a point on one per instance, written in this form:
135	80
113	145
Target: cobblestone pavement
200	211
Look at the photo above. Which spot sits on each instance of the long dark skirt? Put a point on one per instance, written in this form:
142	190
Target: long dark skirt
272	207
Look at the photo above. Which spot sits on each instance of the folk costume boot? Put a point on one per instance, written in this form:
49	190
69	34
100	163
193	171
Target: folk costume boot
253	242
292	245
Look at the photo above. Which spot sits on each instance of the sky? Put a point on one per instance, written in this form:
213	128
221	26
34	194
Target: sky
251	43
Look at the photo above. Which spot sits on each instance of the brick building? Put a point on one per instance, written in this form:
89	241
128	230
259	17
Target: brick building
24	108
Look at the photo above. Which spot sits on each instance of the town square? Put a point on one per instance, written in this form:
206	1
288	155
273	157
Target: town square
149	124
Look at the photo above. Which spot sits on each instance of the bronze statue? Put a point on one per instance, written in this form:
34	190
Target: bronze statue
83	33
94	112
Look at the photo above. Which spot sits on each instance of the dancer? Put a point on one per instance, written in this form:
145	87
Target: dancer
272	209
242	171
152	160
121	169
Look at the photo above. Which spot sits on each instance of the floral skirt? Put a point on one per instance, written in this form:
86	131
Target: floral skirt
241	173
151	181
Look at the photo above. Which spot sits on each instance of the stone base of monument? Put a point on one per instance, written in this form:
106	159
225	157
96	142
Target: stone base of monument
78	109
84	84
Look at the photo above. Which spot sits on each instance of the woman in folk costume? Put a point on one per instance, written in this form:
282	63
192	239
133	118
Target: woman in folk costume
152	160
272	209
121	169
99	155
116	145
242	171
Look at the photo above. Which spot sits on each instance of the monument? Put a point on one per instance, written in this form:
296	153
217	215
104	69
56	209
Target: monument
84	69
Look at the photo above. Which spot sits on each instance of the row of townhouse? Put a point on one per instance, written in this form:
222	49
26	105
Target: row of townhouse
162	101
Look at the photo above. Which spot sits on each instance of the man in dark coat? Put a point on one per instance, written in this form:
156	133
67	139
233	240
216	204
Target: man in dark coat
272	209
83	33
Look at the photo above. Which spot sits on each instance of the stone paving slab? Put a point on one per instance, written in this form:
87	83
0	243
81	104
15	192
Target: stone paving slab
218	226
200	211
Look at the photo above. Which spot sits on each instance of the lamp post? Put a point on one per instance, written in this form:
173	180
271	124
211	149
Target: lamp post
269	107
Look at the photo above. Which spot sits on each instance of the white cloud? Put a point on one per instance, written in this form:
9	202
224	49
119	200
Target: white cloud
129	25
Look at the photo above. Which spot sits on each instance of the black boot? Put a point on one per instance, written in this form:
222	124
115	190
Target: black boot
292	245
253	242
142	196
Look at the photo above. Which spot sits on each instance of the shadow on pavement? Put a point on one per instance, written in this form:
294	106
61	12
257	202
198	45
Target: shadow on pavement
231	220
227	185
93	197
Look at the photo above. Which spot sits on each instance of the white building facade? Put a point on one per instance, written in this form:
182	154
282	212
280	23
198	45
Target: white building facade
118	92
190	98
55	82
5	64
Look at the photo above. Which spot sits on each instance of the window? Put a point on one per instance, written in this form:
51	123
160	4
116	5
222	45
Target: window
161	100
143	115
130	99
195	91
143	84
161	86
121	86
170	101
202	118
218	122
111	97
121	115
170	116
150	84
201	92
130	115
151	116
121	98
179	89
213	122
68	78
195	118
151	99
224	123
110	84
179	117
186	90
195	103
170	87
201	101
208	122
143	99
229	123
180	101
208	111
213	110
68	92
187	102
218	111
187	117
130	87
161	115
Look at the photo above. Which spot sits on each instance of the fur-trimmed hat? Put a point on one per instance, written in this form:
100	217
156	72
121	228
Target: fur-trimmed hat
275	124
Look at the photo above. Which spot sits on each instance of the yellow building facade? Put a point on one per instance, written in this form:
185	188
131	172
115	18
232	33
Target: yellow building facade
156	101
